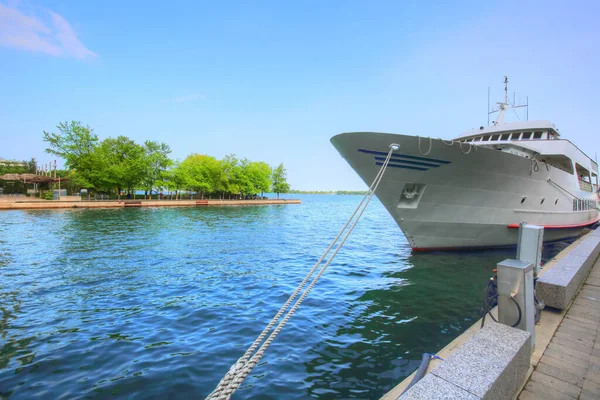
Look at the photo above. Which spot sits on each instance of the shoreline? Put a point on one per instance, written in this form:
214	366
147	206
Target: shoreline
57	204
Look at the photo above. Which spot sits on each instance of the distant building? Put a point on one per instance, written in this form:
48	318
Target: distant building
4	161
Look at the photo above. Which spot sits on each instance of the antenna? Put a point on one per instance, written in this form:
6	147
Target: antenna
502	107
527	107
488	106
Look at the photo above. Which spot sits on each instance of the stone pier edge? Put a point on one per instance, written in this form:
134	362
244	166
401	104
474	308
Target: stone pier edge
53	204
550	321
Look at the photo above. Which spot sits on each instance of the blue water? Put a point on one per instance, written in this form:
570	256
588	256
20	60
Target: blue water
158	303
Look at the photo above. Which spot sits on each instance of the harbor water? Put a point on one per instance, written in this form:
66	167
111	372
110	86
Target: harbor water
159	302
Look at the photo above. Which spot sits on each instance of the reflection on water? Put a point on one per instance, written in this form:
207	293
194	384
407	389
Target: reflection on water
144	303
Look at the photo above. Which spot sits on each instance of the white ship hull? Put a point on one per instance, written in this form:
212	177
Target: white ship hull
469	200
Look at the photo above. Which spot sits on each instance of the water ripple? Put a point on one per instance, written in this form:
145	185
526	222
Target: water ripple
149	303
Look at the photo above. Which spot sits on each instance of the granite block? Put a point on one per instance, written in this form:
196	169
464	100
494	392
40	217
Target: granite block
433	387
587	247
557	287
491	365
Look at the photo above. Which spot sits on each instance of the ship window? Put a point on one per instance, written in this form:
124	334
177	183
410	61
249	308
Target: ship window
486	138
537	135
526	135
505	136
559	161
515	136
585	181
477	139
582	173
495	137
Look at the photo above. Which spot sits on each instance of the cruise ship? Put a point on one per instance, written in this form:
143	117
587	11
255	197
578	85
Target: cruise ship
474	191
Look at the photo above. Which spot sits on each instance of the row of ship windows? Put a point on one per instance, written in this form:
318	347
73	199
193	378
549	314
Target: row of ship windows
507	136
584	205
578	204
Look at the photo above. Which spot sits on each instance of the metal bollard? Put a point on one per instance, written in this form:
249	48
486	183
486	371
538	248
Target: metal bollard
529	246
515	287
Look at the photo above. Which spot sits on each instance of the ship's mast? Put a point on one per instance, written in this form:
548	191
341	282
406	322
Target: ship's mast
502	107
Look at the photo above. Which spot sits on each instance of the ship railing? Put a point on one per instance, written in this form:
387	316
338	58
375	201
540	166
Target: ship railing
583	185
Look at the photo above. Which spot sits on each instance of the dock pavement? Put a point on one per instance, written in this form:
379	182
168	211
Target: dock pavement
570	366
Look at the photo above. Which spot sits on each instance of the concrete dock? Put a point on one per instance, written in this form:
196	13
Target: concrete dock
488	363
570	365
51	204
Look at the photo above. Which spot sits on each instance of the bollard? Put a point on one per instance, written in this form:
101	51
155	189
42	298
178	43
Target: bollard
515	279
529	246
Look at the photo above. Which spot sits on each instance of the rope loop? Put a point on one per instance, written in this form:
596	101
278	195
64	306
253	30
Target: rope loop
430	146
460	144
534	165
448	144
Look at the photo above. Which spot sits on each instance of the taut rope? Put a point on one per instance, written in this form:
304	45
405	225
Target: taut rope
242	368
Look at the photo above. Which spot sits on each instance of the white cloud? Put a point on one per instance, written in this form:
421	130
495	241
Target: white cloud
188	98
51	34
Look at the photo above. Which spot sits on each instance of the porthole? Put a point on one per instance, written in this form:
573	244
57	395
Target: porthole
556	202
523	199
542	202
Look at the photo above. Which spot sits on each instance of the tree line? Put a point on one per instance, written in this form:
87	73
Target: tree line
122	165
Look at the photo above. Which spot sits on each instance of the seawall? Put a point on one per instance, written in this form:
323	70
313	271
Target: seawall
51	204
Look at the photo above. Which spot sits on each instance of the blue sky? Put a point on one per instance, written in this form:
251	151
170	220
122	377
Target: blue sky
275	80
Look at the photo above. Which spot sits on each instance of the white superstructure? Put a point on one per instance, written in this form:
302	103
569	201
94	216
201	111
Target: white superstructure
474	191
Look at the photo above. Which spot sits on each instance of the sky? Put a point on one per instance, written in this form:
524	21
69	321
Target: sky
275	80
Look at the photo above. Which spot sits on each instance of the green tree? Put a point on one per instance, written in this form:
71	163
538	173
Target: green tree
231	173
156	162
245	181
176	178
125	163
17	167
279	178
259	173
78	146
215	174
32	166
73	143
199	173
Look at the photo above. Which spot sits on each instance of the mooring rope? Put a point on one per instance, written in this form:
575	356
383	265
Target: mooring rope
242	368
